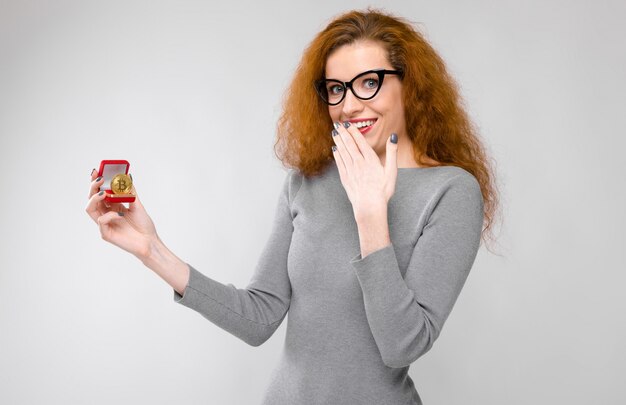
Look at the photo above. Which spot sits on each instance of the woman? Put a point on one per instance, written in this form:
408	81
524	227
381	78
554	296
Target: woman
376	228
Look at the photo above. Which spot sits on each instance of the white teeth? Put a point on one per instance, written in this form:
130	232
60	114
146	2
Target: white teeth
362	124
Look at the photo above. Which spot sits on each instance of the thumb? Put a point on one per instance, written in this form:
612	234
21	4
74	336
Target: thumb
391	156
137	203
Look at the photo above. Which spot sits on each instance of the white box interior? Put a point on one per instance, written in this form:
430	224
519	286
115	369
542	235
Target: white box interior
110	171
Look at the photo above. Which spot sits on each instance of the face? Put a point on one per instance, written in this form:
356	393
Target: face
385	109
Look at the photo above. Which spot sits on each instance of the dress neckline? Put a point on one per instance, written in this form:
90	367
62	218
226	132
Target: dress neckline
400	169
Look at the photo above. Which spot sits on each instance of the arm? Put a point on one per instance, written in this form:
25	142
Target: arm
167	265
406	315
252	314
255	312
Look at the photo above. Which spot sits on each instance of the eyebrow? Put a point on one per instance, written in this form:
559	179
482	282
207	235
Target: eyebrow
367	70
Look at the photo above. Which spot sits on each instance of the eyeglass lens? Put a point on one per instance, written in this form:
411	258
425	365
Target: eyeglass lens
363	86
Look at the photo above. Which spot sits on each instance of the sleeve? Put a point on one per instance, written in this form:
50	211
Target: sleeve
253	313
406	315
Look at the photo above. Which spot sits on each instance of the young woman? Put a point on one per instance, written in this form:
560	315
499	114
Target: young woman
376	229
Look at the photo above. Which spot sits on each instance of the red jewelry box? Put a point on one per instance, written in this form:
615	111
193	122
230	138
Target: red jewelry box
108	170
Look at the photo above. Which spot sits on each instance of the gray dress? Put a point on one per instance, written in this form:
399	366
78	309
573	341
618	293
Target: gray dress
355	324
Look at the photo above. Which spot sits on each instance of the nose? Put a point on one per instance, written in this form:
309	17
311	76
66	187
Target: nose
351	104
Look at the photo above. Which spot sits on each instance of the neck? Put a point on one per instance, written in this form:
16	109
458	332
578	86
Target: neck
406	155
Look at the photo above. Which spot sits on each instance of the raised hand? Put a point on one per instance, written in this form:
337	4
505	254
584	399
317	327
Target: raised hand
368	184
128	228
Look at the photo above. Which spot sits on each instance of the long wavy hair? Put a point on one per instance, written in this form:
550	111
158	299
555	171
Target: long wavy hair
436	121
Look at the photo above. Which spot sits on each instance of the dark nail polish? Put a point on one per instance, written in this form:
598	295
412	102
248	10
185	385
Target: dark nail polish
336	125
346	124
120	213
100	193
335	133
92	170
334	148
99	178
130	175
394	138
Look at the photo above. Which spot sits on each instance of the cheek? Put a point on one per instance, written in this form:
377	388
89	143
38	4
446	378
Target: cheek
334	113
390	108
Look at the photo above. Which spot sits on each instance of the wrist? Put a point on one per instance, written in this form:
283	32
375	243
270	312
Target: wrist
154	249
371	212
166	264
373	231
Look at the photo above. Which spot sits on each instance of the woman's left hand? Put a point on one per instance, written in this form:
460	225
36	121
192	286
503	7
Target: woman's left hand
369	184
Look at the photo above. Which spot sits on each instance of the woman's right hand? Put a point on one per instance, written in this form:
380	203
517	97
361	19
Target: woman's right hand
128	228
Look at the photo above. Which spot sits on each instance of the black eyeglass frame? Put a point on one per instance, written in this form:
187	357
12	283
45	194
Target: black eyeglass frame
320	85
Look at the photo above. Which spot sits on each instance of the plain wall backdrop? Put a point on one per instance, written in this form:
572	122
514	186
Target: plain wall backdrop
189	92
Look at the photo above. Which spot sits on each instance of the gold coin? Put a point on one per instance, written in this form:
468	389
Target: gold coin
121	184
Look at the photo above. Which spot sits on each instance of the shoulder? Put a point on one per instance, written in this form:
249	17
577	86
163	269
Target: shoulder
450	188
458	191
433	181
292	183
458	177
438	177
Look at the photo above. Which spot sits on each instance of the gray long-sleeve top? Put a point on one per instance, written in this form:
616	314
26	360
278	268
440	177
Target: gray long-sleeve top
355	324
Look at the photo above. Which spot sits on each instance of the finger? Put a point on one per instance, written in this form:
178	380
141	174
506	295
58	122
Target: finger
95	185
340	148
339	152
391	158
364	148
340	164
346	144
94	207
117	207
105	221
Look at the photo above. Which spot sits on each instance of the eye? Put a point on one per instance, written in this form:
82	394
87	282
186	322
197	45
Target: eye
370	83
335	89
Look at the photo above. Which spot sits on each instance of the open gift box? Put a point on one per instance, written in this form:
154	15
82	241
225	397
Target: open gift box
109	169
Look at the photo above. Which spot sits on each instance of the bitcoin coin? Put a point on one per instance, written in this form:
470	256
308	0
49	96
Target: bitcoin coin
121	184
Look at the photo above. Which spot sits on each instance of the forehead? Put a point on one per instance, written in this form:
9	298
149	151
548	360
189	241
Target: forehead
349	60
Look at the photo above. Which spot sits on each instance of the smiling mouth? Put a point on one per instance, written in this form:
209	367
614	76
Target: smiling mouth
364	124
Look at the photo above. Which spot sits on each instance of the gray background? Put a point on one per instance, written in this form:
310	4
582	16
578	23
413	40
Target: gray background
189	92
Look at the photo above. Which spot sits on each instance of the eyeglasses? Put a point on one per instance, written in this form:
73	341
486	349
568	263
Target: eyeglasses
364	86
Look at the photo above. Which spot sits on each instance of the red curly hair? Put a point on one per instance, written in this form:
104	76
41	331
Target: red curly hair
436	121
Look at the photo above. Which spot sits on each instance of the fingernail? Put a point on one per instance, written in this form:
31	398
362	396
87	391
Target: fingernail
99	178
120	213
394	138
92	170
334	148
335	133
100	193
346	124
336	125
131	176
